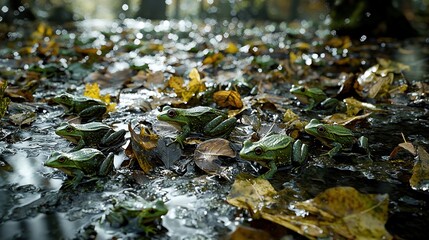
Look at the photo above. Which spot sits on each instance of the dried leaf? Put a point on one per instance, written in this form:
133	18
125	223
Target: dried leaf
4	101
207	153
228	99
248	233
405	145
340	212
194	86
251	193
344	119
213	59
354	106
23	118
141	144
93	91
420	178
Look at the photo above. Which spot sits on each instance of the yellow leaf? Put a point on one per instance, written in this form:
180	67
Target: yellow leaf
93	91
231	48
228	99
213	59
420	178
292	57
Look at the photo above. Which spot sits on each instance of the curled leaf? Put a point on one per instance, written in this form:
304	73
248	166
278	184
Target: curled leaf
420	178
228	99
186	92
207	154
140	146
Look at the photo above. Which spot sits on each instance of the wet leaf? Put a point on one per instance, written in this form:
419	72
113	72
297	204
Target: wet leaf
213	59
354	106
228	99
377	81
23	118
293	124
141	144
420	178
338	211
248	233
186	92
344	119
350	213
4	101
206	155
253	194
231	48
5	166
405	145
93	91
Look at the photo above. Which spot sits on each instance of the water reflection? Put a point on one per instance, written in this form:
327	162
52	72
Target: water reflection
43	226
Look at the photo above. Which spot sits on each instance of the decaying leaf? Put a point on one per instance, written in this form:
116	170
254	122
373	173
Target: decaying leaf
293	124
213	59
252	194
377	81
350	213
228	99
248	233
355	106
206	154
186	92
4	101
140	145
339	212
344	119
93	91
23	118
420	178
405	145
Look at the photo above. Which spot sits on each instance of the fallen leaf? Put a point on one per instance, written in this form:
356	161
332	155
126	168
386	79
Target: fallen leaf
405	145
350	213
228	99
23	118
4	101
93	91
344	119
420	178
231	48
339	212
355	106
253	194
207	153
140	145
213	59
186	92
248	233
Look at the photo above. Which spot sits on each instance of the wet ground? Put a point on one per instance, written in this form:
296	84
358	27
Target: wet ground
33	204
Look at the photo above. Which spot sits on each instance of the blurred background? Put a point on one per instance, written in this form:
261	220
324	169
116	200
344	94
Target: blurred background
351	17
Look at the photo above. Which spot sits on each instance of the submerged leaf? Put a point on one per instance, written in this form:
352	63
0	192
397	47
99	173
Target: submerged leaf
350	213
23	118
228	99
339	212
420	178
207	153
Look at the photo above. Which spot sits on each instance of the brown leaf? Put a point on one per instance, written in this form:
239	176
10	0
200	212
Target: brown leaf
207	153
420	178
228	99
